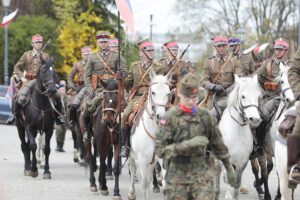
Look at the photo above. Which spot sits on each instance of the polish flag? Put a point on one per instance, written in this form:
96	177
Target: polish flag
125	10
8	18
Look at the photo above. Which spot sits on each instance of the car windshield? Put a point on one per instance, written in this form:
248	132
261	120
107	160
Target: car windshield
3	90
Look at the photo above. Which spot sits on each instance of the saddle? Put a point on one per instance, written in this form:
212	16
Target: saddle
286	126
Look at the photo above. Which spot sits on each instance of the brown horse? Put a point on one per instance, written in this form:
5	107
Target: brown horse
106	134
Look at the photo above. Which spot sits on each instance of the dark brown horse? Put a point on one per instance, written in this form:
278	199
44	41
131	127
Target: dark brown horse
37	116
106	134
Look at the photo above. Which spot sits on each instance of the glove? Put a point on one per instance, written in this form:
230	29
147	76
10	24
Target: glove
90	92
24	80
169	151
219	87
198	141
210	86
231	176
121	74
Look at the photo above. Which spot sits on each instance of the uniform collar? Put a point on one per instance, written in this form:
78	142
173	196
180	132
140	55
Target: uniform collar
184	109
35	53
104	52
221	59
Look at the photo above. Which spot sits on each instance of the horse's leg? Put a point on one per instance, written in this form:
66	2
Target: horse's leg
89	158
239	173
80	146
75	146
117	170
109	165
33	146
218	170
264	174
102	151
257	183
155	183
132	170
146	173
39	149
47	150
25	148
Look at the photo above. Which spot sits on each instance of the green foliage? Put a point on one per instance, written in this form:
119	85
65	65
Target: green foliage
130	53
19	38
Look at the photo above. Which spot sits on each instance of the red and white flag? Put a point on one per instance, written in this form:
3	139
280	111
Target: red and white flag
8	18
125	10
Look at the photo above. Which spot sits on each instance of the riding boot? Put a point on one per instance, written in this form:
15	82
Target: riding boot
16	112
260	136
293	149
86	126
59	117
125	150
72	117
59	147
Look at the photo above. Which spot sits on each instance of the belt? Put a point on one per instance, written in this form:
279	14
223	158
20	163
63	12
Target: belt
30	76
104	76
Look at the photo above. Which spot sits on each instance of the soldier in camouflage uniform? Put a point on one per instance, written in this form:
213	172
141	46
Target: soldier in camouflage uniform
25	70
61	130
293	140
102	65
77	87
246	60
181	140
137	82
170	53
220	88
268	71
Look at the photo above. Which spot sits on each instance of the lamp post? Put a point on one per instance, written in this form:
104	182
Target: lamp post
5	4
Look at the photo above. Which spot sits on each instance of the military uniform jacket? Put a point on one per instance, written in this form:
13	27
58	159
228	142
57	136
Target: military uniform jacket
29	63
294	75
77	69
212	67
263	76
181	69
247	63
96	66
136	72
189	166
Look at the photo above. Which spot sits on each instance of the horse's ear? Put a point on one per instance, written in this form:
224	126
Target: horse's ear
152	74
282	67
169	76
237	79
255	78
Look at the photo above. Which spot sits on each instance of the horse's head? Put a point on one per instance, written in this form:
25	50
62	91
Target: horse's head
159	94
287	94
245	98
110	100
45	78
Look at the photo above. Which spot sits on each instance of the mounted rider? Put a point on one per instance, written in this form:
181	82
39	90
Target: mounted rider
246	60
267	73
101	66
26	70
137	82
218	77
77	86
293	140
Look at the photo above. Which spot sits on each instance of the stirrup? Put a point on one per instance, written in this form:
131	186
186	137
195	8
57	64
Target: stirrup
125	150
294	175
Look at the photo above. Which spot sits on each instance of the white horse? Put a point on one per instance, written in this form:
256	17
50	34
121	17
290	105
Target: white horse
287	97
142	140
241	113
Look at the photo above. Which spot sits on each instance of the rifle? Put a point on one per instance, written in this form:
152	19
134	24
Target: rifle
204	101
180	57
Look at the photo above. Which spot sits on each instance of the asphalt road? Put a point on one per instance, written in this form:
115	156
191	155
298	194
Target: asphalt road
69	180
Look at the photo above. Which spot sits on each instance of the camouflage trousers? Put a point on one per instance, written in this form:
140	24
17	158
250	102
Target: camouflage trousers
128	110
23	92
60	132
196	191
91	102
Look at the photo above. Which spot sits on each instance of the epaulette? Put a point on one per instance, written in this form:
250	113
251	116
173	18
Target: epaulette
211	57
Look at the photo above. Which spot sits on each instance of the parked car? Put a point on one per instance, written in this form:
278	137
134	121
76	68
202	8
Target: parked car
5	110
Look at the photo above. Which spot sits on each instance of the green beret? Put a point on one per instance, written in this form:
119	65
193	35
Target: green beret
189	85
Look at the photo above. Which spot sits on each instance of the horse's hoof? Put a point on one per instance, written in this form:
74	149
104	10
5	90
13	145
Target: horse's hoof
75	160
116	198
131	196
244	190
42	166
47	175
81	163
93	189
34	174
261	196
104	192
109	177
38	162
27	172
135	179
292	184
156	190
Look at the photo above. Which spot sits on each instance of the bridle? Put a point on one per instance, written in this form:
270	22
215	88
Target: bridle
44	84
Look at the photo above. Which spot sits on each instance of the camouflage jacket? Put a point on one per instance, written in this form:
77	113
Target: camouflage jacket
212	67
96	66
29	63
294	75
77	69
188	166
263	75
247	63
135	74
181	69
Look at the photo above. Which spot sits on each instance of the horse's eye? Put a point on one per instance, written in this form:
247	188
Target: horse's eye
153	93
281	82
